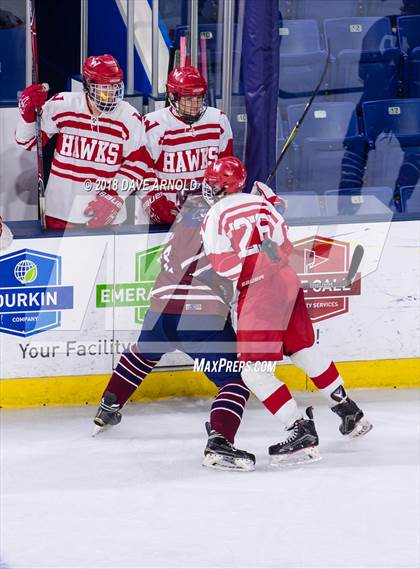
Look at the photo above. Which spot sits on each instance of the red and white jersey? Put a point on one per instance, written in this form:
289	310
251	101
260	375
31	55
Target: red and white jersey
180	151
96	149
233	231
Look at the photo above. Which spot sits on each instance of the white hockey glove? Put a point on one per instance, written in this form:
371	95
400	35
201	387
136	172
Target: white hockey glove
261	189
6	236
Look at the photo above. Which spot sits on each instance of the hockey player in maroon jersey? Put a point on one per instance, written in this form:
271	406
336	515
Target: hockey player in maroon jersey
189	311
181	140
245	238
96	158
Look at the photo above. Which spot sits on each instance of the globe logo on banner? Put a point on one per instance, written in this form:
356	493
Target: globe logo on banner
31	294
26	271
324	262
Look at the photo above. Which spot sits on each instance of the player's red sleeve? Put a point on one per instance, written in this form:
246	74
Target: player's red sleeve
137	165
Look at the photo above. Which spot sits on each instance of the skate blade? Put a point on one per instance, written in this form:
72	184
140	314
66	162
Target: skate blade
98	429
302	456
361	428
219	462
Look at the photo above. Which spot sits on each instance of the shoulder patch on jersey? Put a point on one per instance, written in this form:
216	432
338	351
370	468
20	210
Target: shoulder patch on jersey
57	97
148	124
138	116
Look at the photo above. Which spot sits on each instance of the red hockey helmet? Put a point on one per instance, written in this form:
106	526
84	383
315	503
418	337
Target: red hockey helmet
223	177
103	81
187	89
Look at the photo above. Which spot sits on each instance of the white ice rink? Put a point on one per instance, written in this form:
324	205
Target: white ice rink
137	497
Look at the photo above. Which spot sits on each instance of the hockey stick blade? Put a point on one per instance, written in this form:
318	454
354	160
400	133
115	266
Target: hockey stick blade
348	279
354	264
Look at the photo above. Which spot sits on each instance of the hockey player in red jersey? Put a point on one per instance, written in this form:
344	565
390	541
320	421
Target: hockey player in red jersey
96	158
189	311
246	240
181	140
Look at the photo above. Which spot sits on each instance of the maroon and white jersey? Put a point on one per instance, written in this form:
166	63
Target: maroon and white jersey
187	282
180	151
104	150
233	231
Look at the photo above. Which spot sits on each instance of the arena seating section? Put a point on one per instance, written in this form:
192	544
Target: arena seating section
368	108
367	114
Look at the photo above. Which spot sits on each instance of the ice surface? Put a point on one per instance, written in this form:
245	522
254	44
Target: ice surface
137	497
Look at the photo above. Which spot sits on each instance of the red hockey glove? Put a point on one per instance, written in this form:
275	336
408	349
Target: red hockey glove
6	236
32	98
159	208
103	209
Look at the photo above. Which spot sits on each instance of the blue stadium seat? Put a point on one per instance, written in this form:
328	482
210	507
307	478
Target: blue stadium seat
364	58
12	63
409	38
398	116
326	132
410	197
301	204
321	9
302	60
383	7
324	120
358	201
393	130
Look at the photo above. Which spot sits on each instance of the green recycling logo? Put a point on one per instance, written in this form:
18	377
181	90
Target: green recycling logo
135	294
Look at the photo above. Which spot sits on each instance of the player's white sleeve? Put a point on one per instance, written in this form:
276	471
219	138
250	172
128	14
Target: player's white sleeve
226	137
218	248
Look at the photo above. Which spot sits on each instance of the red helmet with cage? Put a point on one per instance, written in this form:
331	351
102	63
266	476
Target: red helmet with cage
223	177
187	90
103	81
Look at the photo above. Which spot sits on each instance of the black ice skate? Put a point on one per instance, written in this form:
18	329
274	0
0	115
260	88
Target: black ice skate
108	413
300	446
353	422
222	455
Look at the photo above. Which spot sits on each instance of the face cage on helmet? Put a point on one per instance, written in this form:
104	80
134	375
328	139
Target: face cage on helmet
211	195
190	119
106	96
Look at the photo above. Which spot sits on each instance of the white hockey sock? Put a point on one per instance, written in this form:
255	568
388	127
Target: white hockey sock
320	369
273	394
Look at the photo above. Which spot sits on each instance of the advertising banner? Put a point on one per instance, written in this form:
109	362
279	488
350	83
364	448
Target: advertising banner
70	306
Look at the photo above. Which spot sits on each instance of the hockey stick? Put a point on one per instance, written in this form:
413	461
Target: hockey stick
38	131
348	279
295	129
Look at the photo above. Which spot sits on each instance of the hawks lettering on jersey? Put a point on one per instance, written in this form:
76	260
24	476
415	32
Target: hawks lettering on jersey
233	232
88	148
178	150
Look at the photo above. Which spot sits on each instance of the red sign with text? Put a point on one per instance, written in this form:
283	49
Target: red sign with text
324	262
